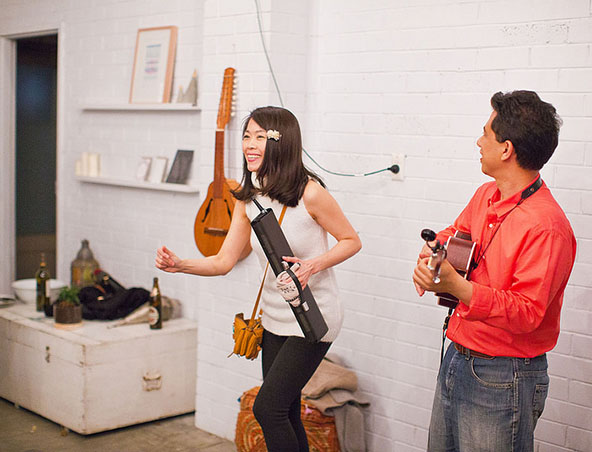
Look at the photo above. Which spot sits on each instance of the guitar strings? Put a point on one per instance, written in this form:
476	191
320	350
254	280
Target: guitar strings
277	88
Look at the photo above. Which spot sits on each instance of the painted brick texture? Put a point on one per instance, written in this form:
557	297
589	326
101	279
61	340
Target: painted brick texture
366	79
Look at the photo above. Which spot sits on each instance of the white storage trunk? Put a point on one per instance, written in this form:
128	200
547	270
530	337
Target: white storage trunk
95	378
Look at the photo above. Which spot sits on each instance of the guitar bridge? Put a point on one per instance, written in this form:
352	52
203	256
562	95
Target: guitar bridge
218	232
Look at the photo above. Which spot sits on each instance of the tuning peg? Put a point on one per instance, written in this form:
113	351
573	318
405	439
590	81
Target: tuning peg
428	235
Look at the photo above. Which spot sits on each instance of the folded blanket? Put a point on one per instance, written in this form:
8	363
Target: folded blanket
333	390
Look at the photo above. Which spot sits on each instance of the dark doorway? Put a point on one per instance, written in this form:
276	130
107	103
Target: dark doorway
36	96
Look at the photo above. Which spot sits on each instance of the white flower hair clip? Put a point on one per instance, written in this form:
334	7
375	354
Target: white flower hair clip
273	135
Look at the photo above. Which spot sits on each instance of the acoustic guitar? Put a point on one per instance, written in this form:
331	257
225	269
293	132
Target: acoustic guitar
213	218
459	250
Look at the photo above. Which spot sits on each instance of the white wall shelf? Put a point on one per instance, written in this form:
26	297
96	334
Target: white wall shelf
180	188
141	107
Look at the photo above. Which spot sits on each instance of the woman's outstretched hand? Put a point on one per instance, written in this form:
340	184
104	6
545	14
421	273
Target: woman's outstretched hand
167	261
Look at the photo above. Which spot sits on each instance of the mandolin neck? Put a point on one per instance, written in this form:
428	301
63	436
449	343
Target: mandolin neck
219	165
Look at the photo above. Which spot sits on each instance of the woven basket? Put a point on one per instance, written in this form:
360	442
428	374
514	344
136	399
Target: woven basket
320	429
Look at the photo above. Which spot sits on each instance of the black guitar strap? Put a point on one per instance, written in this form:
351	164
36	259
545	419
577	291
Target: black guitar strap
526	193
444	328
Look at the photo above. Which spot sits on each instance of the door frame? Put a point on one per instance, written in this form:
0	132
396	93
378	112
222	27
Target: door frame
7	163
8	149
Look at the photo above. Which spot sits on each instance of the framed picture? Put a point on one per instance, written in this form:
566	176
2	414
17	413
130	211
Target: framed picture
143	168
152	75
180	168
158	169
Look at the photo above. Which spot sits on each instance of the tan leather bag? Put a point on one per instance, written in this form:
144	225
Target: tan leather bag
248	333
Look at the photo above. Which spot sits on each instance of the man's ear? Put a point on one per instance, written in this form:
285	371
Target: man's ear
508	151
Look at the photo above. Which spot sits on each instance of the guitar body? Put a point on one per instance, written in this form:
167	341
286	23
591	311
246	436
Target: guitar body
460	251
213	218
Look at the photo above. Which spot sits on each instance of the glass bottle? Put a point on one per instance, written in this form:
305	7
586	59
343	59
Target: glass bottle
42	277
155	312
83	267
106	281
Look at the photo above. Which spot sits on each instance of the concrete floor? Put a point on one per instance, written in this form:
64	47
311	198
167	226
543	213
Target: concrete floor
24	431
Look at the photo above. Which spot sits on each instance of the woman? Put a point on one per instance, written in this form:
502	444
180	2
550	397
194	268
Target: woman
274	173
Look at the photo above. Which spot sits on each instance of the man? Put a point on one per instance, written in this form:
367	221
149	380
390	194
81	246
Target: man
493	380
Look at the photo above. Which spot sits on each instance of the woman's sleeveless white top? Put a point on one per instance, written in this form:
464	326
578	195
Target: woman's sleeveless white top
307	240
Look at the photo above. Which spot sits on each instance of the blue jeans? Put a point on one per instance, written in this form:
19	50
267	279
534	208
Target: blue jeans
487	405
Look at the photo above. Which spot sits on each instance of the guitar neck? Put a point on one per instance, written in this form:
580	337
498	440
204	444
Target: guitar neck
219	165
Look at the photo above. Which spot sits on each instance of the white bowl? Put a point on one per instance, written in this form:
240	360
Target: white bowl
26	289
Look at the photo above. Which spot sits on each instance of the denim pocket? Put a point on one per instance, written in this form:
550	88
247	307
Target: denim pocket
495	373
538	400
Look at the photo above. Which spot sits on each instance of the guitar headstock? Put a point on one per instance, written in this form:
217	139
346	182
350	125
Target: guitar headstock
430	236
225	108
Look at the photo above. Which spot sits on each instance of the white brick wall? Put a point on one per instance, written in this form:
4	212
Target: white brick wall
366	79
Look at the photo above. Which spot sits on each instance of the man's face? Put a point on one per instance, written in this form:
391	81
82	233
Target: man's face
490	149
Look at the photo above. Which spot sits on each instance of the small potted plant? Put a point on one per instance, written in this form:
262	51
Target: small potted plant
67	310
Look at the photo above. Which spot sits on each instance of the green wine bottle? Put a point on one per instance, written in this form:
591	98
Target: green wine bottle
42	277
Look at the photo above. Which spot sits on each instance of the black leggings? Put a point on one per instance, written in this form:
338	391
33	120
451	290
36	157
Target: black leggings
288	363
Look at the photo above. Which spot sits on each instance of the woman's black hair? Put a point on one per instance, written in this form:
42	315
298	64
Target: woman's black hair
282	175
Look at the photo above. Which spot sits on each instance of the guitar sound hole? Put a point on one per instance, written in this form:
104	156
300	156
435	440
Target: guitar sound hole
207	211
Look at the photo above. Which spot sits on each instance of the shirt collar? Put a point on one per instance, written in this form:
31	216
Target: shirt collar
502	207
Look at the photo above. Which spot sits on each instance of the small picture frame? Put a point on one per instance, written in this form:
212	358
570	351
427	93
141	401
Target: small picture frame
143	168
158	170
179	172
154	58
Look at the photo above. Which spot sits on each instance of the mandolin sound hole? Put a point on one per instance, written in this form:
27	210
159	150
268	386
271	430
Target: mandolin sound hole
207	210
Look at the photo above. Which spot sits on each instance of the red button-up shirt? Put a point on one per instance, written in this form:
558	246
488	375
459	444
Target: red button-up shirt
519	282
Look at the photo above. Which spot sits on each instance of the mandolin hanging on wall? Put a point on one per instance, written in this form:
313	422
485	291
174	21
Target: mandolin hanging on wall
213	218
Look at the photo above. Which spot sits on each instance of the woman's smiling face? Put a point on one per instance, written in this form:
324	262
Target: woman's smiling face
254	143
